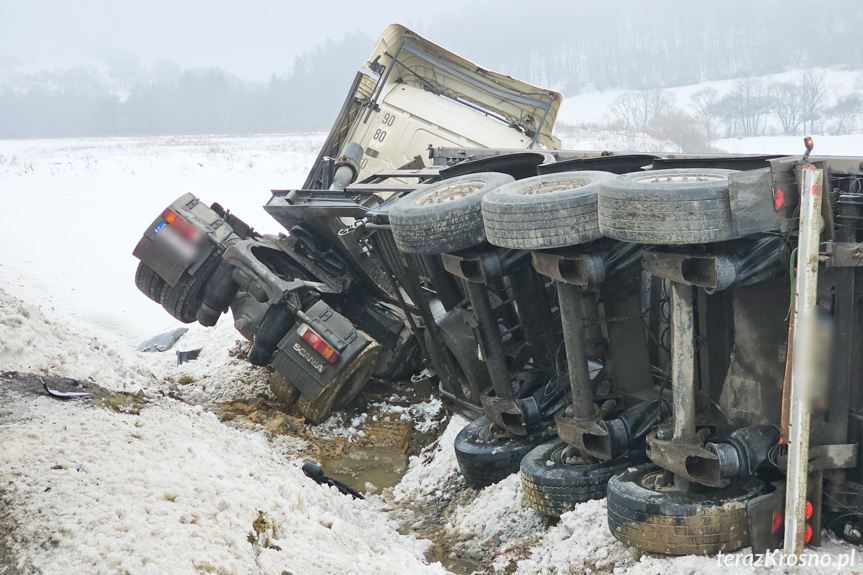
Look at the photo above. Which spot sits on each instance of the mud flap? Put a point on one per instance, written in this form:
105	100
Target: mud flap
308	370
767	516
766	523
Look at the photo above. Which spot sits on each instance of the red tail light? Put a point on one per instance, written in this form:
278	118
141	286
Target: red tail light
318	344
778	521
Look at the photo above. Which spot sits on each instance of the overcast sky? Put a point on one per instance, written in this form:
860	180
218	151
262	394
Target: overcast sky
249	38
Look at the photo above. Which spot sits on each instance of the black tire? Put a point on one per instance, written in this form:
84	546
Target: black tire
671	207
149	282
545	211
184	299
553	487
460	347
343	390
672	523
445	217
484	459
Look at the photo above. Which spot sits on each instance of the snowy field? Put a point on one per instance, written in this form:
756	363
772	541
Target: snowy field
80	206
592	107
167	487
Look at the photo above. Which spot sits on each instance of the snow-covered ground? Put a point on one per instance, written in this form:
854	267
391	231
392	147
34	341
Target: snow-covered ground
171	489
846	145
593	107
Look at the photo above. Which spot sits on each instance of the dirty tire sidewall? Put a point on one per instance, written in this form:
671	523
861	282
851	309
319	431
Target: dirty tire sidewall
283	389
548	211
668	207
445	217
343	390
149	282
483	463
183	300
553	488
699	523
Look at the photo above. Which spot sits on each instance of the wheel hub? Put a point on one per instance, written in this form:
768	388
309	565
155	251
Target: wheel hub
450	193
567	455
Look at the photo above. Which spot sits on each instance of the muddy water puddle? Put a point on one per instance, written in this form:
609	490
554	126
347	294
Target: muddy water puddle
460	565
383	467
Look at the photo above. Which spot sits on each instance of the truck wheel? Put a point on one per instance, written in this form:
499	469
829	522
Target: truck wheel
544	212
684	206
484	458
445	217
149	282
283	389
553	482
343	389
184	299
460	348
660	520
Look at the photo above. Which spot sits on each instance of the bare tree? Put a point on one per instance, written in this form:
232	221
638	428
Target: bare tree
845	112
745	109
813	93
704	105
787	104
638	110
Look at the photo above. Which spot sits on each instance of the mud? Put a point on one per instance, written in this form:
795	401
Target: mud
31	384
373	457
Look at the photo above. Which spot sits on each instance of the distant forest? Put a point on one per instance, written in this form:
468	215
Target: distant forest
168	100
622	44
636	45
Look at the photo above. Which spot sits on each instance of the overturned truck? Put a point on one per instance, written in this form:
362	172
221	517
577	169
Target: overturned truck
636	326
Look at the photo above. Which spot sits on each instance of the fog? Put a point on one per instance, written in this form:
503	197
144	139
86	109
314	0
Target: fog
250	40
117	67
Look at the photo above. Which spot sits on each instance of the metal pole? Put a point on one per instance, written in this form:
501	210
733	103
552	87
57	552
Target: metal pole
492	347
682	368
571	301
805	291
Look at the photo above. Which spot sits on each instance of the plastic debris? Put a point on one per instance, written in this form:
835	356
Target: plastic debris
184	356
162	342
64	394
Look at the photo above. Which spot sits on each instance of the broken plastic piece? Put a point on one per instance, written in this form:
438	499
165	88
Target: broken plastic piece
63	394
184	356
163	342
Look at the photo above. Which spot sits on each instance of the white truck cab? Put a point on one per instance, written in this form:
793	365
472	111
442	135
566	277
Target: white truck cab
412	94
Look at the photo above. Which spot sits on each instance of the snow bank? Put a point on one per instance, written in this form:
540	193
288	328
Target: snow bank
579	543
429	471
217	375
497	517
30	342
171	489
174	491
